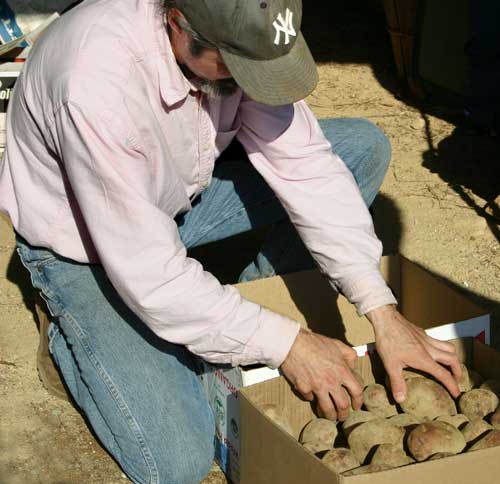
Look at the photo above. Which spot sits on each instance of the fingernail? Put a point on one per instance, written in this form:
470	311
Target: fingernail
399	397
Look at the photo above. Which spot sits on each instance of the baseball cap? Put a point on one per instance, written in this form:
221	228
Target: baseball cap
261	44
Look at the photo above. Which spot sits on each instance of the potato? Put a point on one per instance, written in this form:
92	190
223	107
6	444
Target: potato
432	437
359	378
492	385
441	455
356	418
369	434
478	403
458	421
275	413
465	383
319	429
315	446
340	460
427	399
367	469
404	420
491	439
475	428
409	373
391	455
495	419
376	401
475	378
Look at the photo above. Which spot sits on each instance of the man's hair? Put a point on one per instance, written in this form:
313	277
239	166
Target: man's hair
198	43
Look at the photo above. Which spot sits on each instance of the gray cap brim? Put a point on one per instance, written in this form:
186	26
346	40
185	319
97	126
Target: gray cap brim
275	82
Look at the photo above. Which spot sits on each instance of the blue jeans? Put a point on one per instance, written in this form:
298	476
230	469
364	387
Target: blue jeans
142	395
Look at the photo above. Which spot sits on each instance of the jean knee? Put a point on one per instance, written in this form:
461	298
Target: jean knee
377	144
193	462
374	161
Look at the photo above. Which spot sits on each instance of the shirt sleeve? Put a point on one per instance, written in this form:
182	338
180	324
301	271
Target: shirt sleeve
287	146
140	249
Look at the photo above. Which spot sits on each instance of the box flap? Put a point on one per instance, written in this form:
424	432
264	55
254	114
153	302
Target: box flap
307	297
485	360
429	301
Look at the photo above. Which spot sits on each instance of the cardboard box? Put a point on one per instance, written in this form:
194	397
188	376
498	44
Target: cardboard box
307	297
271	456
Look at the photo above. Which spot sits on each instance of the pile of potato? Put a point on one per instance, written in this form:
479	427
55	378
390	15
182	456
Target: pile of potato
428	425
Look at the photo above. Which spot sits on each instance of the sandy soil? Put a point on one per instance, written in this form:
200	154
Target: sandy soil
429	209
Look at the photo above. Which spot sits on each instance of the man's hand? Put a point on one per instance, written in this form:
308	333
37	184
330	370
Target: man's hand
401	344
320	367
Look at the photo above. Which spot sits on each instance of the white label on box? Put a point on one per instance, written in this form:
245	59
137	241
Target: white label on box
473	328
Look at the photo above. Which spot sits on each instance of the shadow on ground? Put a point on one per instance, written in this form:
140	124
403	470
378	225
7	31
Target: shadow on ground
470	164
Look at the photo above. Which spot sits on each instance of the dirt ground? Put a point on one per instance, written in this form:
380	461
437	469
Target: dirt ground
429	209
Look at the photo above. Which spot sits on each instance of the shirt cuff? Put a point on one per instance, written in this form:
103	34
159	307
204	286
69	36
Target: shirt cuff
368	292
272	340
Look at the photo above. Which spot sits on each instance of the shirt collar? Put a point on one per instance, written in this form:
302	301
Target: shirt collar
174	87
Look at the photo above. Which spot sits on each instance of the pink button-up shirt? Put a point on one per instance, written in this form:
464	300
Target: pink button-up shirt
107	142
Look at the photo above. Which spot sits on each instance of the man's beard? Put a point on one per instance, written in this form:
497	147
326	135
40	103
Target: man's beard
218	88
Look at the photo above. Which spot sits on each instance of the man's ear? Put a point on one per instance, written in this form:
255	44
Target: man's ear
172	15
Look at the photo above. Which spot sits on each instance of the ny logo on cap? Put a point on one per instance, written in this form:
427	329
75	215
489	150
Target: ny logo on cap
285	25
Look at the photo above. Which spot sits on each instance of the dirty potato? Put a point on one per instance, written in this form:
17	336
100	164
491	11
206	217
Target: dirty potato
375	432
492	385
457	421
440	455
478	403
376	400
356	418
427	399
408	373
495	419
340	460
432	437
391	455
319	429
316	446
404	420
368	469
275	413
491	439
475	378
475	428
465	383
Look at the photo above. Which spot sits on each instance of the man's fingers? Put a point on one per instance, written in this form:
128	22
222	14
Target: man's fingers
355	389
325	406
342	402
451	361
444	376
398	385
442	345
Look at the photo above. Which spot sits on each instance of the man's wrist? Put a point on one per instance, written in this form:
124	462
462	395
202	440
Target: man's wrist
381	314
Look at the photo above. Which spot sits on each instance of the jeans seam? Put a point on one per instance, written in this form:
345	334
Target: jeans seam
118	399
